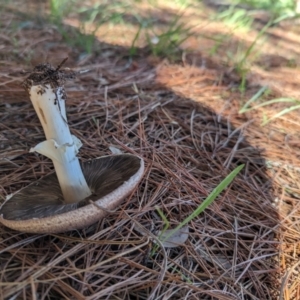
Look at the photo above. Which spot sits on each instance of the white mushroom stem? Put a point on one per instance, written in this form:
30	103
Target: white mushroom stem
60	146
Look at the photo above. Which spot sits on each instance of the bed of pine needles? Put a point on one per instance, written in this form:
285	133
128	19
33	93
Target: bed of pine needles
183	120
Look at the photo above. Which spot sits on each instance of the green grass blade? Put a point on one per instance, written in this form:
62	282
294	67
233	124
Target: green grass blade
277	100
283	112
212	196
261	91
164	218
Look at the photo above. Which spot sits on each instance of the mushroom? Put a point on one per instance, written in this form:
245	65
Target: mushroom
78	194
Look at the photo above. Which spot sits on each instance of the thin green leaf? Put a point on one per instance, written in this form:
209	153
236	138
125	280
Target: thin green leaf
252	99
213	195
283	112
277	100
164	218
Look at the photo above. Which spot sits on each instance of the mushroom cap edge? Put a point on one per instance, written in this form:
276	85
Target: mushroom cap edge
81	217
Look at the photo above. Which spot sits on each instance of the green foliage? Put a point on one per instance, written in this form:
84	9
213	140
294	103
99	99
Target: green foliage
284	111
269	4
59	9
262	91
168	42
212	196
89	17
241	66
279	9
240	14
164	42
259	94
236	17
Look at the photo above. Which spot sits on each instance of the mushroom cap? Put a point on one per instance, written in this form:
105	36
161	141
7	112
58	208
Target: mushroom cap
39	207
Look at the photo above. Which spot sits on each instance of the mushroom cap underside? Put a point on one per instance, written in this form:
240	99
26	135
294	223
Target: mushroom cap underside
39	207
